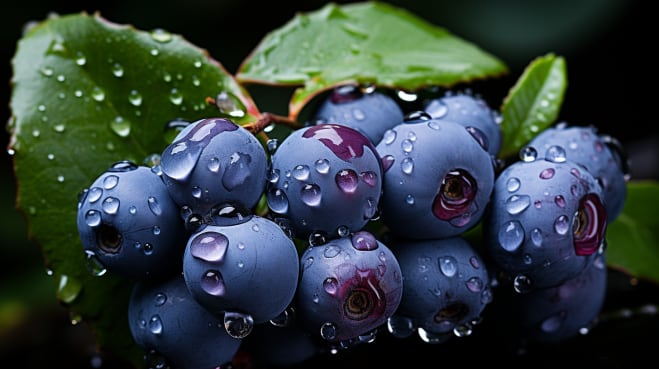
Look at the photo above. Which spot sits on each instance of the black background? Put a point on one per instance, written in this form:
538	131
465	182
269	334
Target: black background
608	46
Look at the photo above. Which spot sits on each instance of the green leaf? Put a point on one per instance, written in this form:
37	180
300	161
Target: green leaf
370	43
633	237
85	94
533	103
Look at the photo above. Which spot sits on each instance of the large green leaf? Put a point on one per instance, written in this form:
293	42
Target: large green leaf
85	94
533	103
370	43
633	237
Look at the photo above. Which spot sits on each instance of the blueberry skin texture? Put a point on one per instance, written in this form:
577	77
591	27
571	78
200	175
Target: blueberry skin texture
348	287
446	284
214	161
369	113
555	314
325	177
437	179
546	222
472	112
127	221
250	267
163	316
586	146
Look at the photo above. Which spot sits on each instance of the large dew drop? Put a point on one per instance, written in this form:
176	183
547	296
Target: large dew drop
209	246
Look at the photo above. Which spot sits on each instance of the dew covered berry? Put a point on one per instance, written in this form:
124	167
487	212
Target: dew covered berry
325	178
129	225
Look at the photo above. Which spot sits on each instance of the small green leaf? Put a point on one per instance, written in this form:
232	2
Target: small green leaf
633	237
87	93
533	103
370	43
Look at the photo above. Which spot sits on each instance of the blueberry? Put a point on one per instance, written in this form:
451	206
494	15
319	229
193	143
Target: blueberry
437	178
371	113
446	287
248	269
213	161
348	288
601	154
556	314
546	222
471	111
172	327
129	225
325	178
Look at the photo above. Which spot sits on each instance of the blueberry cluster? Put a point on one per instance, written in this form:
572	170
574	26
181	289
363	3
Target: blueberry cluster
352	225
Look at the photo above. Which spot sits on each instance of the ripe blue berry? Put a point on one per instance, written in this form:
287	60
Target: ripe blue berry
325	178
602	155
473	113
214	161
129	225
248	268
546	222
437	178
371	113
173	328
446	287
348	287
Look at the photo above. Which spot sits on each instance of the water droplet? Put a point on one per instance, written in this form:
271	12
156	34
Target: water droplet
331	285
117	70
135	98
328	331
277	200
213	283
229	105
407	165
155	325
310	194
407	146
68	288
559	201
59	128
536	237
175	97
92	218
522	284
322	166
547	173
160	299
301	172
331	251
389	136
154	205
516	204
528	154
110	205
400	326
120	126
474	284
94	194
347	180
556	154
512	184
562	225
462	330
511	235
209	246
160	35
81	60
47	71
98	94
238	325
94	264
448	265
364	241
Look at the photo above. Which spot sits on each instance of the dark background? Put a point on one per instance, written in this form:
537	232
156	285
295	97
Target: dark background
607	45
